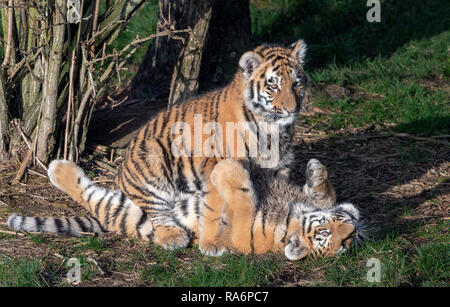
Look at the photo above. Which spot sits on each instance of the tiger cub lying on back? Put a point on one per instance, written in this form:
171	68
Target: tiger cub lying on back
261	213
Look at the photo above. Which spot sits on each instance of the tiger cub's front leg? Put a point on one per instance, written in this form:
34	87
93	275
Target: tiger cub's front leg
210	221
318	187
233	183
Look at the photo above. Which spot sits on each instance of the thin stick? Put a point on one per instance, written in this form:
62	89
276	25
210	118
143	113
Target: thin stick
23	166
12	233
70	103
10	32
30	146
418	138
380	135
36	173
139	41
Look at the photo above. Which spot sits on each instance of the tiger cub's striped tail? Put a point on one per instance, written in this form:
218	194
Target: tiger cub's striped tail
112	210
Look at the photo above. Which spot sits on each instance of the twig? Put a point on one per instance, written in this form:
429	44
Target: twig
25	61
23	167
103	181
441	136
381	135
418	138
12	233
86	233
92	260
139	41
69	104
31	147
36	173
91	41
105	166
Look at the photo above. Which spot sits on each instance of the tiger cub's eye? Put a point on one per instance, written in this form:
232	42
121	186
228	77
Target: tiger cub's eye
324	233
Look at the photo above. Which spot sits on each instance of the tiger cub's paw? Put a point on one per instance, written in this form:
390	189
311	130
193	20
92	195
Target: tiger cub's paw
212	250
171	237
229	175
316	173
318	187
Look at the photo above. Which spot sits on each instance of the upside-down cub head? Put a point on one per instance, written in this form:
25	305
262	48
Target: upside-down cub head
322	233
274	81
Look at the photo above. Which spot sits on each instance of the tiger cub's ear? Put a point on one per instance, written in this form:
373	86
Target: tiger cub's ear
299	51
295	249
249	62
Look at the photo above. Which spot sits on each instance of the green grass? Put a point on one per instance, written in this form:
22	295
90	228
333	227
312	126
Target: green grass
37	238
93	243
169	269
415	255
389	60
397	86
23	272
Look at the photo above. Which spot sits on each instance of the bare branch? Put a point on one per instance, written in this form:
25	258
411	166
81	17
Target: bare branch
9	34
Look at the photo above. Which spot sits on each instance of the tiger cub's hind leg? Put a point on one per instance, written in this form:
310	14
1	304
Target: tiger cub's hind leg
318	187
146	178
232	181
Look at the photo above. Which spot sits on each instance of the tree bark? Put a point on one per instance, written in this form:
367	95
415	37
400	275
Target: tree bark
4	121
229	36
184	69
47	124
184	82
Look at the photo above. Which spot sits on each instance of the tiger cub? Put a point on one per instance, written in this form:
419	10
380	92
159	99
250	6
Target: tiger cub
263	212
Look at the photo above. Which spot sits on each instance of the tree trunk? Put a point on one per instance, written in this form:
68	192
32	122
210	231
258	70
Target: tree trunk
206	61
154	75
229	36
4	120
184	82
46	132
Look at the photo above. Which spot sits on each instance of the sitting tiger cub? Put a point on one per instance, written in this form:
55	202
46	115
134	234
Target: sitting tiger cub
261	213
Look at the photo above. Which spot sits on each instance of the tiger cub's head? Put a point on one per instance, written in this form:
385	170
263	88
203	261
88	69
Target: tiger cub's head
325	232
274	81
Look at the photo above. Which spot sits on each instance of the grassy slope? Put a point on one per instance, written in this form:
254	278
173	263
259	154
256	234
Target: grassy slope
398	85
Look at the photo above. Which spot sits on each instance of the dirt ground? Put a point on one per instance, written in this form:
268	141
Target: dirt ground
397	182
